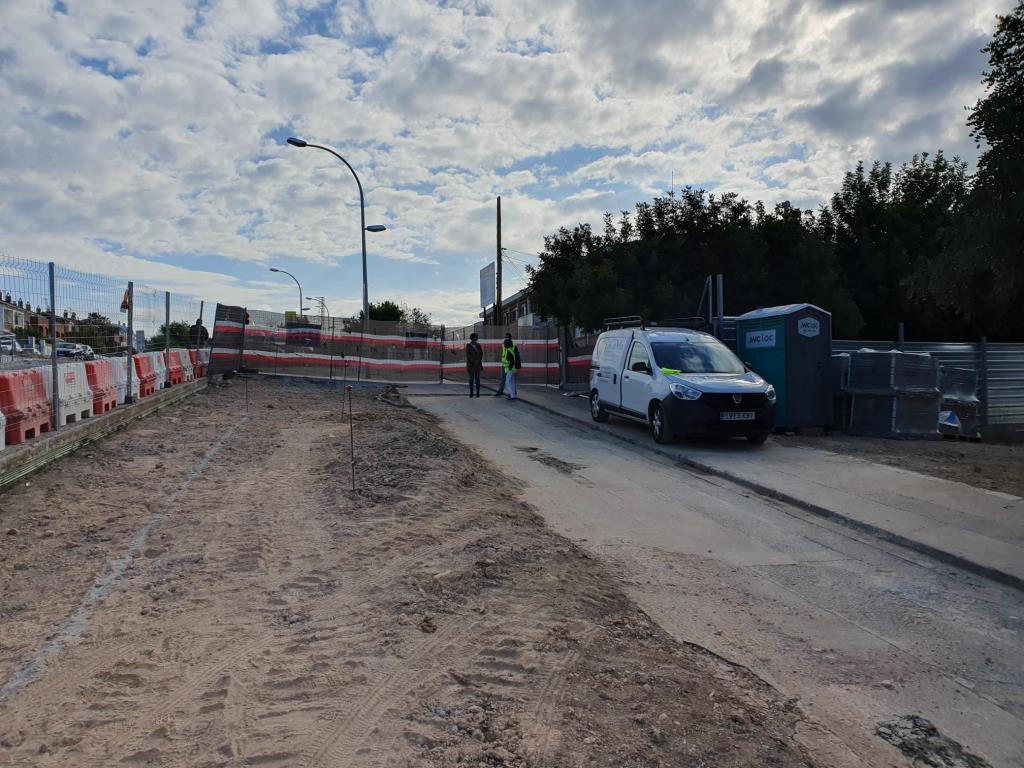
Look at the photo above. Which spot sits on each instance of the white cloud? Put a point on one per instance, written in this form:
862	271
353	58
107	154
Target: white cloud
158	127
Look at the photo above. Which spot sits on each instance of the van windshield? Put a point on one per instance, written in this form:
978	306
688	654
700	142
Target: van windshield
687	357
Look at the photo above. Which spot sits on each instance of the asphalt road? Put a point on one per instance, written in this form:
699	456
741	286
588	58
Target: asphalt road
858	631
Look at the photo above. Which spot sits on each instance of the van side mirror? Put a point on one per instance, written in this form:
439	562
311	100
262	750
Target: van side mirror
747	367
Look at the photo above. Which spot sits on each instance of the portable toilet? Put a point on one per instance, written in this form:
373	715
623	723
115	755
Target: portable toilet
791	347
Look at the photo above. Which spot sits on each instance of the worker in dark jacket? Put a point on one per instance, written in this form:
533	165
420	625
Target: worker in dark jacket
474	364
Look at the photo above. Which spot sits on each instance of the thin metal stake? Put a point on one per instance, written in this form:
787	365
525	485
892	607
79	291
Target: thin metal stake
351	438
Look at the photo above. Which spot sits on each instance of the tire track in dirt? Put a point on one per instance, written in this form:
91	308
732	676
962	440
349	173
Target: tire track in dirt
76	623
337	744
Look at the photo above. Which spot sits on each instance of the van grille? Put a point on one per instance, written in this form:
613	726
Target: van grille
724	402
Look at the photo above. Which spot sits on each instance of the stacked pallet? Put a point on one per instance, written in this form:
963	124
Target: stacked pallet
895	394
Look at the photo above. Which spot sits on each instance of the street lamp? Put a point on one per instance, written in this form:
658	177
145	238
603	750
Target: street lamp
283	272
362	218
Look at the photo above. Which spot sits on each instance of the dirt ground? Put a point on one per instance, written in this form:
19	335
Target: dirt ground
204	589
995	467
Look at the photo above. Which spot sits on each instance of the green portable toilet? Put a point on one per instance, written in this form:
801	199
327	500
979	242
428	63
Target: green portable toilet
791	347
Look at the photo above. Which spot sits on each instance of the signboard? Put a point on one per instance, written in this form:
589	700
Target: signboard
808	326
487	286
764	339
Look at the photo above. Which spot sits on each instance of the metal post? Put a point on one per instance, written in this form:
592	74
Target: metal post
983	371
441	357
130	364
199	326
711	300
720	303
900	336
167	338
497	273
351	438
241	342
55	400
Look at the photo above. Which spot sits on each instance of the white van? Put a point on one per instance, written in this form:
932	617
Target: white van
681	382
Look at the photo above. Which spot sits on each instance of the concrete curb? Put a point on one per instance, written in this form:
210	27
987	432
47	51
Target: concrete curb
20	461
943	556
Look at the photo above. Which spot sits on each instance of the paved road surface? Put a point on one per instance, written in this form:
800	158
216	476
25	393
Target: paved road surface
859	630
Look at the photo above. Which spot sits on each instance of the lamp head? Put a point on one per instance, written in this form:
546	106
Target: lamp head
274	269
296	142
376	228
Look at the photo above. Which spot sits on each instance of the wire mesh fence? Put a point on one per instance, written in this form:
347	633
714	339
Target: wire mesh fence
66	340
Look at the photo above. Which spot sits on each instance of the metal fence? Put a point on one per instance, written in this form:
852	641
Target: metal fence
90	312
58	318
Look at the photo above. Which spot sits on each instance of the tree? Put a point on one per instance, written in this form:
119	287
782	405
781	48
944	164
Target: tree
981	279
390	311
180	336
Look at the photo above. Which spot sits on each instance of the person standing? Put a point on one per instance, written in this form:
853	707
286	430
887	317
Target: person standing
510	363
474	364
501	378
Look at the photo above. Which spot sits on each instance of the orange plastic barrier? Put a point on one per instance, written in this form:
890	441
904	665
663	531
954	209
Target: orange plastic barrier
147	376
100	375
24	402
174	372
197	363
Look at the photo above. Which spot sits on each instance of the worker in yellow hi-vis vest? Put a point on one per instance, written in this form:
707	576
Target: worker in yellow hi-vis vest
510	363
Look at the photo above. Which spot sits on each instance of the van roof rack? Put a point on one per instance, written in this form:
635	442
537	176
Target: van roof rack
626	321
690	323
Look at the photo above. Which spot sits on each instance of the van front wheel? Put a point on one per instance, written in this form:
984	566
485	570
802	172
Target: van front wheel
597	411
660	429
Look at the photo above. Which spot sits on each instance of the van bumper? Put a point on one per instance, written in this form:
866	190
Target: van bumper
700	417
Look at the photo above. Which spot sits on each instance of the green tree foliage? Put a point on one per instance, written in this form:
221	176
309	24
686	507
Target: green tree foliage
654	262
981	279
390	311
180	337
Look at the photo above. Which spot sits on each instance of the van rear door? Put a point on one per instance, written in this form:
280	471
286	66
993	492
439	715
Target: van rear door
608	378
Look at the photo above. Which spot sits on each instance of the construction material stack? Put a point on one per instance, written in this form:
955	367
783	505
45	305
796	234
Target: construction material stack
959	414
895	394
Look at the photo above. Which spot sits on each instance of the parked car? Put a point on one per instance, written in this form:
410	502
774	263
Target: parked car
68	349
9	345
680	382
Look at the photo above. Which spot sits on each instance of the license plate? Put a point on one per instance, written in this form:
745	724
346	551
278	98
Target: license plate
737	415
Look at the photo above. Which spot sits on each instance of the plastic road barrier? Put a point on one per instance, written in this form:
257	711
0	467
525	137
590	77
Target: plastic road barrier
100	375
184	362
197	363
159	368
25	405
74	393
119	365
145	374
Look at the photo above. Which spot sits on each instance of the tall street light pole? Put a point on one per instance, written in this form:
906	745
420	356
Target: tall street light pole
275	269
363	229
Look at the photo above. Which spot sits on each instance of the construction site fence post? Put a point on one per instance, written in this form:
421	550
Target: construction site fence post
167	338
130	364
55	400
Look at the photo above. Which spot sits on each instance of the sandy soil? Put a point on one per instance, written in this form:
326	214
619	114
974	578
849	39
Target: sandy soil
995	467
205	589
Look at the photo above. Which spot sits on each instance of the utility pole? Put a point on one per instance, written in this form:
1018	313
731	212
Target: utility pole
497	272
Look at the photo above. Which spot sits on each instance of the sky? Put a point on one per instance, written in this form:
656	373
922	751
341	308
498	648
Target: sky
146	140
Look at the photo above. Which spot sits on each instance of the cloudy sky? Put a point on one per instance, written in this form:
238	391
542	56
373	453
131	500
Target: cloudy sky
146	139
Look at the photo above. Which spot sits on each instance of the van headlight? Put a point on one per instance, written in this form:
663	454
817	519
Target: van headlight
684	392
770	394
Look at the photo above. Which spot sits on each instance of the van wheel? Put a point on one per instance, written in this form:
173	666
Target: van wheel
597	411
757	439
660	429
